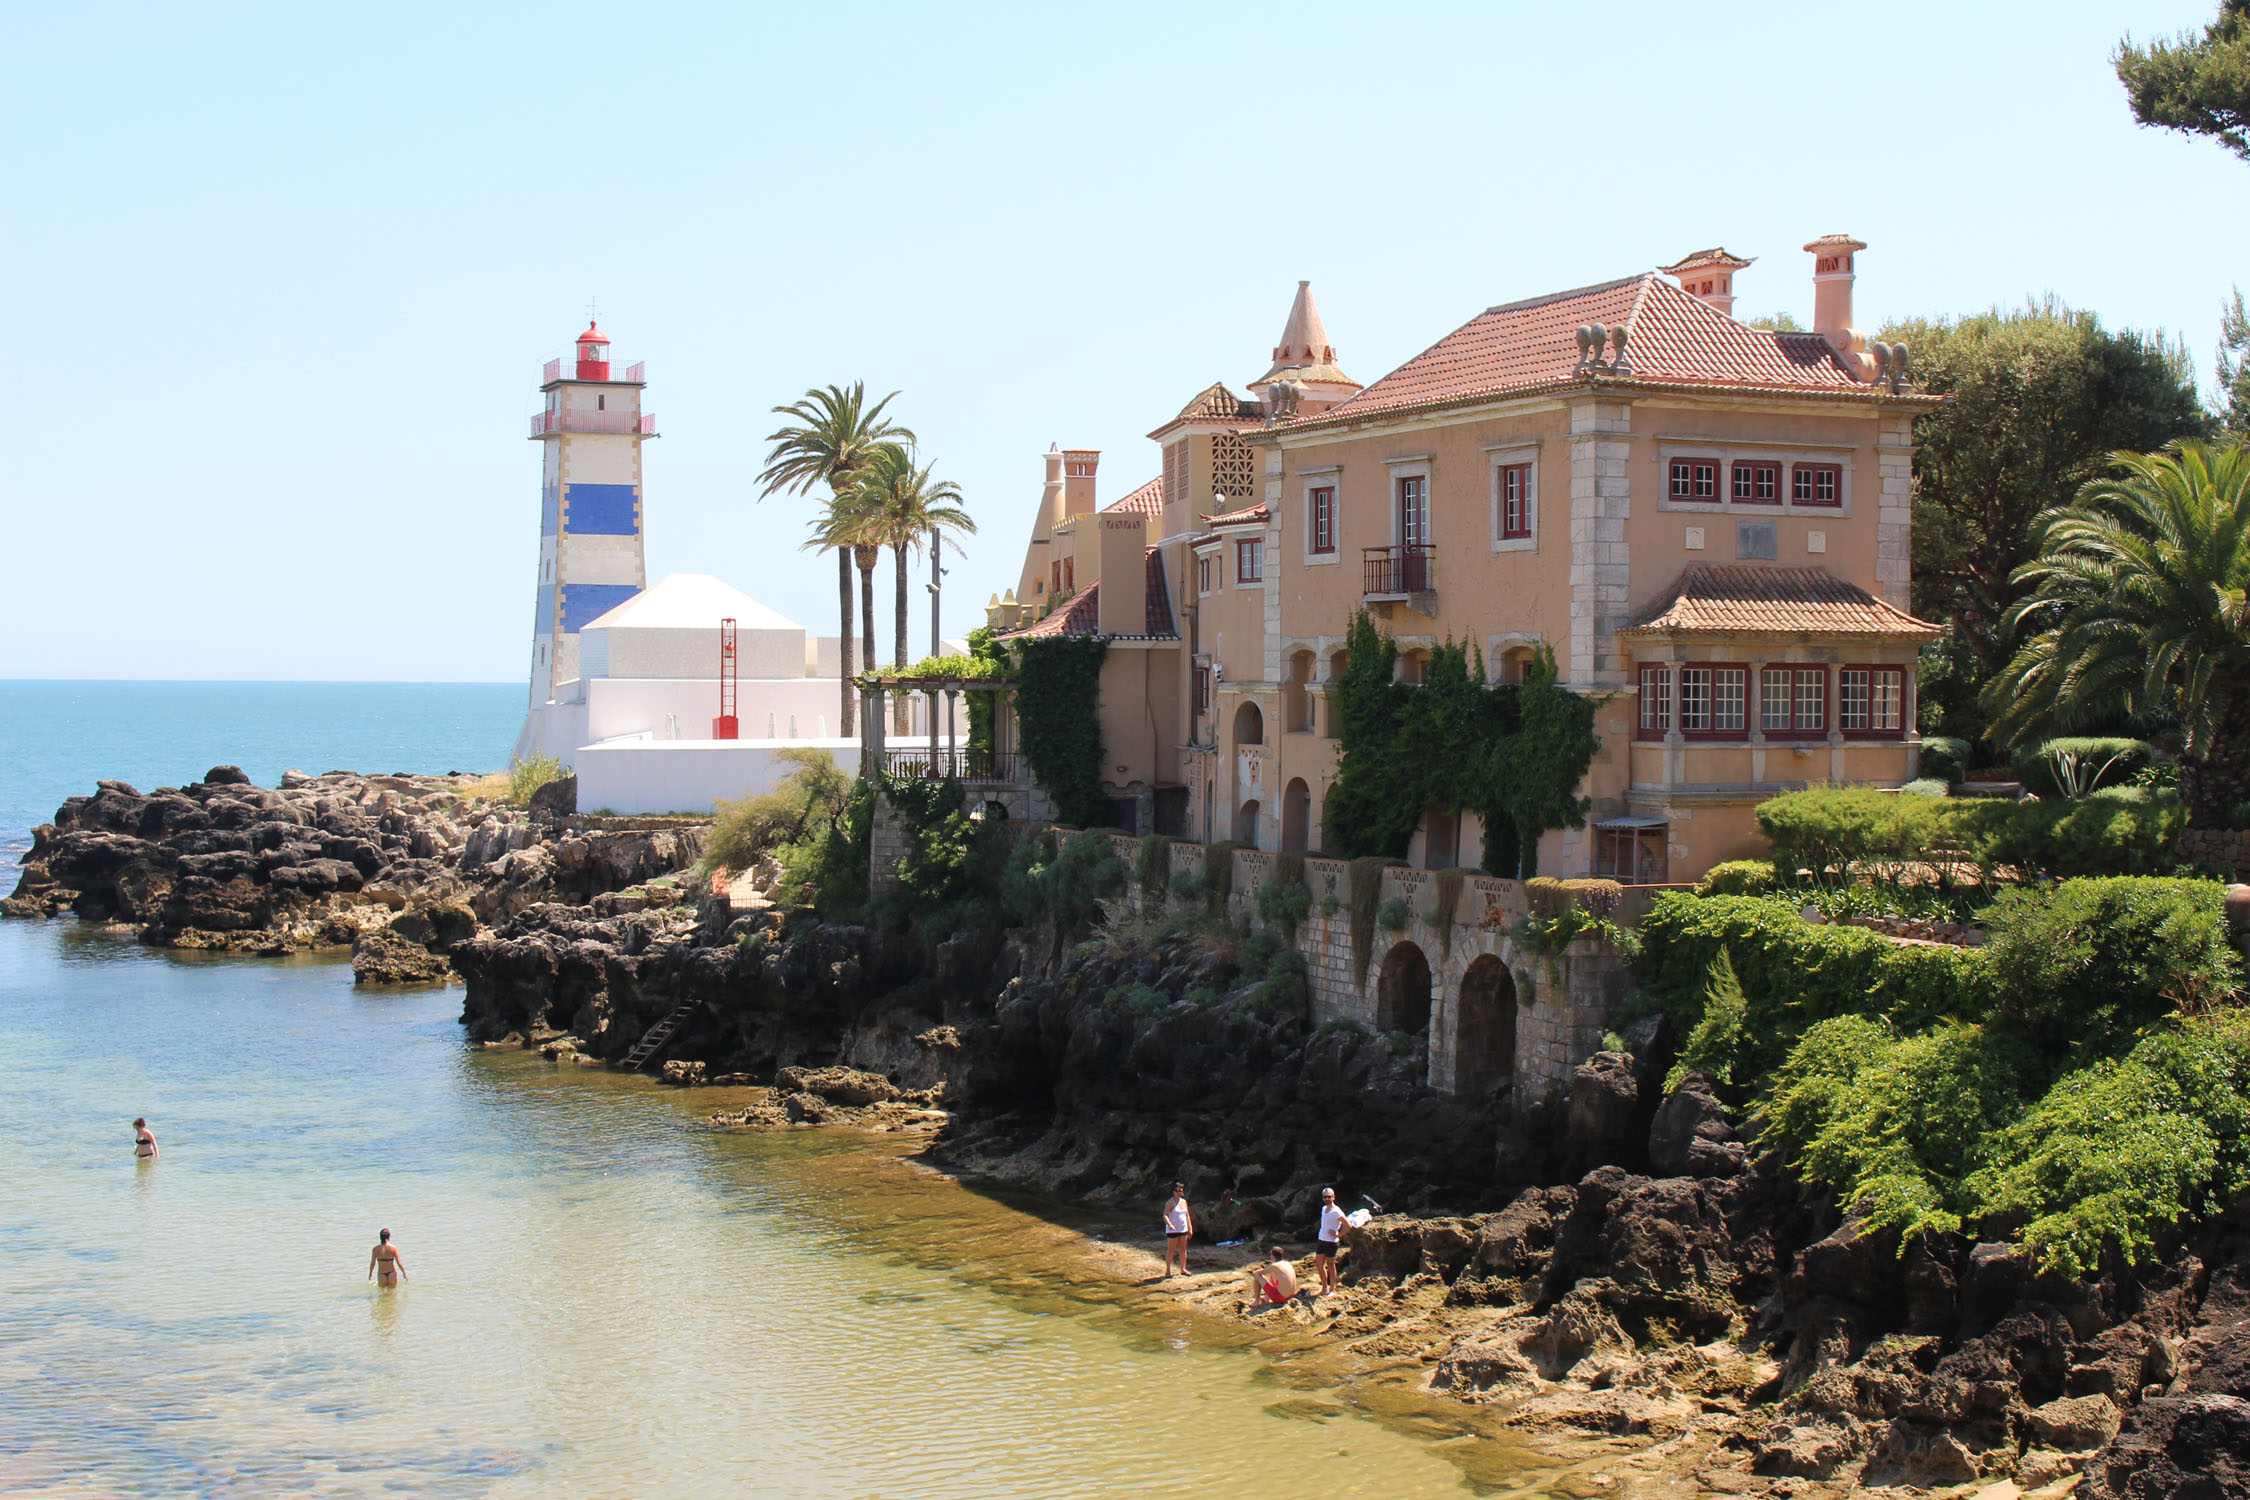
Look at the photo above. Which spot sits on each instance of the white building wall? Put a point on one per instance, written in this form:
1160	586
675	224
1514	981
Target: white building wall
688	776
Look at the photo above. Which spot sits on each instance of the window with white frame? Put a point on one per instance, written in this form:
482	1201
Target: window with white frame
1320	518
1414	510
1794	700
1694	480
1515	501
1712	699
1870	700
1816	484
1656	701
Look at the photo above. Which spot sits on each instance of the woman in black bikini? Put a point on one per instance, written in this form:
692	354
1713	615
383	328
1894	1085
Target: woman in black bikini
385	1266
144	1141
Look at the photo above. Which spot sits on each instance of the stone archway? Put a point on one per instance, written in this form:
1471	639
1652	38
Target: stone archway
1296	815
1484	1046
1246	823
1402	990
1249	725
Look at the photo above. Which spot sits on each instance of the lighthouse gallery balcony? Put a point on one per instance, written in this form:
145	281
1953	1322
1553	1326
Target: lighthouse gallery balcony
546	422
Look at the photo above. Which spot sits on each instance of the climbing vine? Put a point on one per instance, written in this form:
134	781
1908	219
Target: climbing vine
1512	753
1058	712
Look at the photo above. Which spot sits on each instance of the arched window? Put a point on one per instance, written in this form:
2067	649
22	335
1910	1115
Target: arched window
1249	725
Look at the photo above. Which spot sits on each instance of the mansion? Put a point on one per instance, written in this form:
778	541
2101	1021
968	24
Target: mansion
1706	521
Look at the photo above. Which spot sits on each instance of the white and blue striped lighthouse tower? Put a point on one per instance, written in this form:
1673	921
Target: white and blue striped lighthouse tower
590	557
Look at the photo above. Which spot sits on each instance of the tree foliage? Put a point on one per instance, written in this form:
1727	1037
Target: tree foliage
2137	603
2197	84
1058	717
2041	396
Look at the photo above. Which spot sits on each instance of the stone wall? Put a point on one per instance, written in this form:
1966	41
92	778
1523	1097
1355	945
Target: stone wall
1495	1013
2221	848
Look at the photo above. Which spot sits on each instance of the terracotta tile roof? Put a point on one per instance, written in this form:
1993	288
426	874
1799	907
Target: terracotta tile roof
1255	515
1148	499
1671	338
1718	599
1083	614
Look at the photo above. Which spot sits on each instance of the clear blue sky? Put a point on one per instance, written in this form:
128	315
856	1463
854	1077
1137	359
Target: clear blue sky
279	281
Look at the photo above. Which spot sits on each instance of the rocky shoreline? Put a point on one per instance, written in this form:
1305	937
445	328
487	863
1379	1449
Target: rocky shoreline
1619	1277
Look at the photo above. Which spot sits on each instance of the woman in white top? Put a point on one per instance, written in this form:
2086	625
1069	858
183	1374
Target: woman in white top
1179	1227
1331	1236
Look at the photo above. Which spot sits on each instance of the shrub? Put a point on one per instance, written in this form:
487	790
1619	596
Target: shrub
1945	758
1063	886
1392	915
1928	786
1794	973
2082	965
2074	766
1829	830
2119	830
1835	832
1552	898
2118	1151
1260	950
1284	904
1712	1047
528	776
1140	999
1891	1125
803	805
1738	877
1152	865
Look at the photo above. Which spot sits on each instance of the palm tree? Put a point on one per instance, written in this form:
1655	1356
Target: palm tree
904	505
832	434
2141	605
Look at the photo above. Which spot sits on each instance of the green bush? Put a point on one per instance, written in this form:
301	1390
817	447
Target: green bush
2073	766
1393	914
2119	830
1152	865
1894	1125
1188	888
1945	758
2080	966
1794	973
1836	832
1062	886
2118	1151
1738	877
1828	831
528	776
1716	1041
1928	786
803	805
1938	1131
1284	904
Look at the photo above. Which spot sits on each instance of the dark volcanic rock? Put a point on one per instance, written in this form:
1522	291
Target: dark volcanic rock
1691	1135
384	956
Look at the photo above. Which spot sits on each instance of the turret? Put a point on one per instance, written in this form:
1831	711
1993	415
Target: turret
593	353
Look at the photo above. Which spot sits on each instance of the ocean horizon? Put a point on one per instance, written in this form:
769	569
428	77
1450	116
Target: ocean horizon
58	736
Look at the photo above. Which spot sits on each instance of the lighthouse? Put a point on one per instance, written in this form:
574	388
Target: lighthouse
590	558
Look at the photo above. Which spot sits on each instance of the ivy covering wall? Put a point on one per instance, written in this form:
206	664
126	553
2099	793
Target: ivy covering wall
1512	753
1059	723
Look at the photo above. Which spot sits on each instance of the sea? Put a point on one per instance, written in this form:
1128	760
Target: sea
605	1297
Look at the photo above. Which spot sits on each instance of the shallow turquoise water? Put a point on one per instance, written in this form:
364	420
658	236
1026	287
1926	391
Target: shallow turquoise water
605	1300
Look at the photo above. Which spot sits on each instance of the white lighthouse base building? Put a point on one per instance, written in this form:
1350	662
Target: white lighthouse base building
638	723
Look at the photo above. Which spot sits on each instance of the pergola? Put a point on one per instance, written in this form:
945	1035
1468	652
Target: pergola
994	762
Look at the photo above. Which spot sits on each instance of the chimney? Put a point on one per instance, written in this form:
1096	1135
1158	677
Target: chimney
1832	291
1078	479
1708	275
1051	494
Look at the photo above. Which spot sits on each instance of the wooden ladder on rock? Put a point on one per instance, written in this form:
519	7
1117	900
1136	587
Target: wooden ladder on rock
653	1039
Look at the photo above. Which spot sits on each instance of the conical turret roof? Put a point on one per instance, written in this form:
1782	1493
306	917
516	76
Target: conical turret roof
1304	353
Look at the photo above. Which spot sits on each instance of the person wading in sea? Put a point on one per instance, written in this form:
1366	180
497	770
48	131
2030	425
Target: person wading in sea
1331	1234
1179	1227
385	1266
144	1141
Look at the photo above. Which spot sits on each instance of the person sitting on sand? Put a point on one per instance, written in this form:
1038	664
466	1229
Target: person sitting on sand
385	1266
1331	1235
1274	1283
1179	1226
144	1141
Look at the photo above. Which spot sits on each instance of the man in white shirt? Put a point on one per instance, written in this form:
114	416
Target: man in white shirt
1328	1239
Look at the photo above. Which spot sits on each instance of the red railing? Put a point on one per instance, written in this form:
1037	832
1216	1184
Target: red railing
636	373
1398	570
545	422
965	763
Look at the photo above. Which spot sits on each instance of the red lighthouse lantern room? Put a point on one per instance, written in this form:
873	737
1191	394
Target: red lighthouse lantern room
593	354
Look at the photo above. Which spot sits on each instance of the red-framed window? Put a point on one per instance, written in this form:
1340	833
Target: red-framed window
1793	700
1414	511
1757	483
1656	702
1695	479
1323	528
1816	484
1871	702
1250	560
1714	700
1515	501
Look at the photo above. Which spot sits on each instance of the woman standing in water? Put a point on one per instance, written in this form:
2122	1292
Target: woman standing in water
144	1141
385	1266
